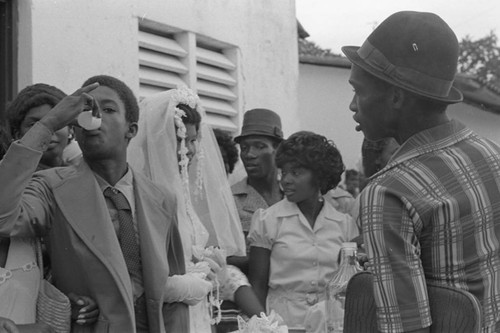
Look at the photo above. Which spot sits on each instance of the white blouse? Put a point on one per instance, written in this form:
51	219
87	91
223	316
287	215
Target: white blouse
303	259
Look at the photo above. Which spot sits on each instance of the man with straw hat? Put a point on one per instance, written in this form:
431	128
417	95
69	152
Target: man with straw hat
432	213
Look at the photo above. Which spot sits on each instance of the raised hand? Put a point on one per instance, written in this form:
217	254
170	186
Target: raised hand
68	109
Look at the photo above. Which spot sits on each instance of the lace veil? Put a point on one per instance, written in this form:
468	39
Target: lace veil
204	186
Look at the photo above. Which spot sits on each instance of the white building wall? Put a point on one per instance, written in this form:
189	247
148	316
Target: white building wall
72	40
63	42
482	122
324	97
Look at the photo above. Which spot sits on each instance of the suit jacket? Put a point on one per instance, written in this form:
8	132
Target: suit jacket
66	206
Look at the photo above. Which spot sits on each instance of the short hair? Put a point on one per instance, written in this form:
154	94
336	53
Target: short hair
31	97
227	144
5	139
124	93
316	153
192	116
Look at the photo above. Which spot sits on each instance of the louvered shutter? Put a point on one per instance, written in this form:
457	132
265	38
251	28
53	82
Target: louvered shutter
160	66
163	65
216	87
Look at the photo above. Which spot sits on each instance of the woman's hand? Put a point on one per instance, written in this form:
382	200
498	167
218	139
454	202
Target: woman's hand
216	271
84	310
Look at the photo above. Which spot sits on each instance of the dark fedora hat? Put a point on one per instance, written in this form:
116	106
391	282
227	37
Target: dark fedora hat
415	51
261	122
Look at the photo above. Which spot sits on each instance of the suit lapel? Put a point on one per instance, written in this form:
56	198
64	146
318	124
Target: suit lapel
80	200
153	222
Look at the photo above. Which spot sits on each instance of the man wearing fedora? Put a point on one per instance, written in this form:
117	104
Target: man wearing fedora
260	136
433	212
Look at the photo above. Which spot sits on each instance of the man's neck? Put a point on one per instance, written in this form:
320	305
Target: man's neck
267	187
110	170
416	124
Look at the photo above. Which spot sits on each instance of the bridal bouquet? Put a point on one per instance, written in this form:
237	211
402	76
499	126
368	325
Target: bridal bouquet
263	324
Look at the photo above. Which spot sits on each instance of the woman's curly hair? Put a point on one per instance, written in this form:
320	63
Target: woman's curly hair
30	97
313	152
227	144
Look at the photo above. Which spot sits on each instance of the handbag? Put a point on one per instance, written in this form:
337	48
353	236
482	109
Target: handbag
52	307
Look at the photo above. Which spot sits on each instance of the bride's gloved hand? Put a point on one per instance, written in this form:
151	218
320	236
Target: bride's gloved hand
190	288
216	271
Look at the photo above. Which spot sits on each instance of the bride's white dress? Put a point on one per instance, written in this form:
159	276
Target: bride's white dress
195	236
154	151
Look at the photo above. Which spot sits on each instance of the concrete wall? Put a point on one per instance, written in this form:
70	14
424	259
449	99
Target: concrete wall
69	41
482	122
63	42
324	97
266	34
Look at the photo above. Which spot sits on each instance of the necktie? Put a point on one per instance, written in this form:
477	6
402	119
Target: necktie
126	234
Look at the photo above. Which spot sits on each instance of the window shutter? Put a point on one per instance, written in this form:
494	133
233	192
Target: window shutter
165	60
160	67
216	87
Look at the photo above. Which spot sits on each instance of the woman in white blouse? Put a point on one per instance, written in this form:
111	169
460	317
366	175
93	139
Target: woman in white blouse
295	243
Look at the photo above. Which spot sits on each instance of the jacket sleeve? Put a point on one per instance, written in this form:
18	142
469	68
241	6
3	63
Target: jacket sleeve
26	201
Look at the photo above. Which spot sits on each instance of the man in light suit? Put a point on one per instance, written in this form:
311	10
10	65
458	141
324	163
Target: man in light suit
82	227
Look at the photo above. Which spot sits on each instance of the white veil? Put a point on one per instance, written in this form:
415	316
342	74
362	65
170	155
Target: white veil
154	152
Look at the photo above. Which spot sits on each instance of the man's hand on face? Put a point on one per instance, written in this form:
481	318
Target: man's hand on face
68	109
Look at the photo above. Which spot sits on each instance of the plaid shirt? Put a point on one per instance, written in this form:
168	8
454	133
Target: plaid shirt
430	215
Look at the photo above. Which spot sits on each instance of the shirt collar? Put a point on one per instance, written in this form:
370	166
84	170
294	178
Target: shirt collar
241	187
125	185
286	208
427	141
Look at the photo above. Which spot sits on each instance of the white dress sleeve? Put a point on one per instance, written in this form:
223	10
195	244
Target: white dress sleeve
262	230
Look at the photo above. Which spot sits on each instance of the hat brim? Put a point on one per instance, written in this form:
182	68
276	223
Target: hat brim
455	96
238	138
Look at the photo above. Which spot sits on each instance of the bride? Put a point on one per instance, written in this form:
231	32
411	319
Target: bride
176	149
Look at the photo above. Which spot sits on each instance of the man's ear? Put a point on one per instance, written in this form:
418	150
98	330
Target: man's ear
398	97
132	130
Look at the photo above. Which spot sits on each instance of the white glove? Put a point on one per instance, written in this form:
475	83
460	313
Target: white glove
190	288
199	267
216	260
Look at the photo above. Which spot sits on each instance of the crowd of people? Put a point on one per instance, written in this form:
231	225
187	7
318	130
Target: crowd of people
143	233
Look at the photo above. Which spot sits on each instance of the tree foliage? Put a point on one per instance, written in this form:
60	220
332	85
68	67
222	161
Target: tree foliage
312	49
480	57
